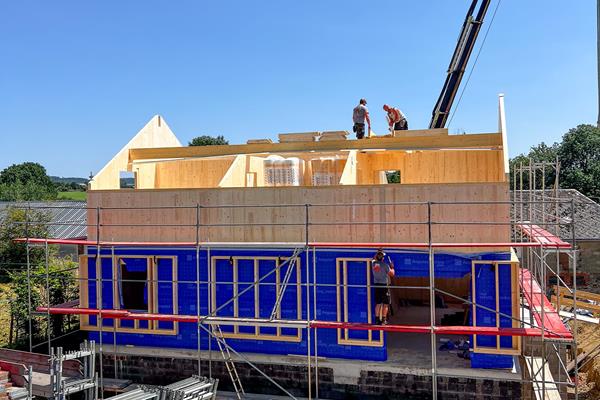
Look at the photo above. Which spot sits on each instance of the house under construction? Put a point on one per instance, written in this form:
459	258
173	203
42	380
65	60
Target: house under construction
259	255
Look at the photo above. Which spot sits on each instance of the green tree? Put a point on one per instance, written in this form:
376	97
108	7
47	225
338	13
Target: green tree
60	286
19	223
537	154
26	181
208	141
579	157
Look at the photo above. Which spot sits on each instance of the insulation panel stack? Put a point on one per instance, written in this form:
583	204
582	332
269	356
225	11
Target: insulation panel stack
281	171
327	171
298	137
333	135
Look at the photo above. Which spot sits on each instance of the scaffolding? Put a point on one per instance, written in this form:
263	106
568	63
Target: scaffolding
535	235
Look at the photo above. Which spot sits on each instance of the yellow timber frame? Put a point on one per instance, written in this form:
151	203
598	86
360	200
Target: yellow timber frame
341	277
257	335
152	274
514	295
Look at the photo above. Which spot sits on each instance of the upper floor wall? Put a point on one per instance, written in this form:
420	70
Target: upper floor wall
155	159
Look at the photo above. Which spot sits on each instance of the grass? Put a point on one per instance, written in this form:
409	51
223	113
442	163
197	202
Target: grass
77	196
4	315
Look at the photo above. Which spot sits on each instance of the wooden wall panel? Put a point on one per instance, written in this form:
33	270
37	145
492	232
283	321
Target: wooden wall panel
447	166
349	175
145	175
194	173
331	211
236	174
156	133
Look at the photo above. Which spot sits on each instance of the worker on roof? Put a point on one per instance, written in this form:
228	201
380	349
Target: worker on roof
359	115
382	272
396	119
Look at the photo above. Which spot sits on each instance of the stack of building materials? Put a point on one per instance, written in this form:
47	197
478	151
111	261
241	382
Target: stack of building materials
281	171
333	135
196	388
298	137
327	171
4	383
259	141
7	390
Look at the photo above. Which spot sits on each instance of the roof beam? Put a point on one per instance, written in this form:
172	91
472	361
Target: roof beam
471	141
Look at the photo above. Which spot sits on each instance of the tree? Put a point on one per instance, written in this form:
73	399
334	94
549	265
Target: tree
579	157
540	153
18	223
62	284
26	181
60	287
208	141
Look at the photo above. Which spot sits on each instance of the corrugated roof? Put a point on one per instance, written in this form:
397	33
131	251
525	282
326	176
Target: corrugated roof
570	204
68	219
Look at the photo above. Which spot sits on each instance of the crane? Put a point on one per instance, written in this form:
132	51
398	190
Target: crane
458	63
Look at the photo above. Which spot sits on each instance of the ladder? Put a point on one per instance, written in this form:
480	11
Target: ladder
229	364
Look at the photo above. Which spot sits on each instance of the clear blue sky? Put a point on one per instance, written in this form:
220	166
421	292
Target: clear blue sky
79	78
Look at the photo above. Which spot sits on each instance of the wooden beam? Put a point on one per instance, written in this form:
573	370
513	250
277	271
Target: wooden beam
566	302
474	141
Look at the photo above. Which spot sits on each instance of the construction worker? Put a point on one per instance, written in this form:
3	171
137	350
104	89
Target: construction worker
359	115
382	272
396	119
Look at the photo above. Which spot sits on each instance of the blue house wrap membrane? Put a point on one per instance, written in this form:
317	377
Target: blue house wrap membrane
407	264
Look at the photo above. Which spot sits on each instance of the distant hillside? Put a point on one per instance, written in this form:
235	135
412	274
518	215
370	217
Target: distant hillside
59	179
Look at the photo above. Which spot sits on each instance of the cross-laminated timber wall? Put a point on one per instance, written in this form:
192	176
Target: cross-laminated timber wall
367	213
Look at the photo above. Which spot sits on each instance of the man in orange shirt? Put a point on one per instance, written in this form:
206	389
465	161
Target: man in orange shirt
396	119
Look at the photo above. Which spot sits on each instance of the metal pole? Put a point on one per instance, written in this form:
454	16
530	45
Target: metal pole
198	285
209	305
99	285
574	257
308	329
316	330
27	255
114	322
47	293
542	295
432	306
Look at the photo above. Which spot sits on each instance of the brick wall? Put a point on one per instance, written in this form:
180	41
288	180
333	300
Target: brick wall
294	378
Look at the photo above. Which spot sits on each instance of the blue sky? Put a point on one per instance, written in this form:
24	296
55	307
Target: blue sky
78	79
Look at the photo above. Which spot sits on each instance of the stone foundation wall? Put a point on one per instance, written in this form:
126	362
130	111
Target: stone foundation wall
294	378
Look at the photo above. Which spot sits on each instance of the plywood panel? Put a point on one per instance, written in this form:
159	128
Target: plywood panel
236	174
331	214
156	133
194	173
145	175
349	175
444	166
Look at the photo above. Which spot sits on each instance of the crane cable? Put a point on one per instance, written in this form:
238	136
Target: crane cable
462	92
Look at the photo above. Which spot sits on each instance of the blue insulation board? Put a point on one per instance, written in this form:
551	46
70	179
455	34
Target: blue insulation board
485	288
407	264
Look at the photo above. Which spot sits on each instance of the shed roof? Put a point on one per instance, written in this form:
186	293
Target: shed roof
68	219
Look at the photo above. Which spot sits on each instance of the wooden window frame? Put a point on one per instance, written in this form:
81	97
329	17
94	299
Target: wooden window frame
515	299
152	273
341	277
236	334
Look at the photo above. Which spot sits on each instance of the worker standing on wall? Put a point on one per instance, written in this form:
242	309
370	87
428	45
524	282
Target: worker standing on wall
359	115
396	119
382	272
